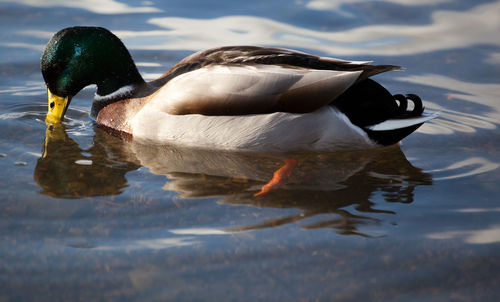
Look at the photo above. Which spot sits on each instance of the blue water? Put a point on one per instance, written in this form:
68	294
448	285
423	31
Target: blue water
88	216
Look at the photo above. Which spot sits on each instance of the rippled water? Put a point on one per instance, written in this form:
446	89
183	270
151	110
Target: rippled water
88	216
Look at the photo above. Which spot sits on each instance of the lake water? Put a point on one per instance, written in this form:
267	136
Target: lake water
85	216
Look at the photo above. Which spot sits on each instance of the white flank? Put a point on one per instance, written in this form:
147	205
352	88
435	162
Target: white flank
324	129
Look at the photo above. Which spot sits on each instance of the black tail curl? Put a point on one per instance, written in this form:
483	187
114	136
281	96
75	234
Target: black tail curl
402	101
368	103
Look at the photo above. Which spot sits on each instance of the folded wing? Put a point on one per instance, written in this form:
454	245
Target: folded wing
240	80
239	90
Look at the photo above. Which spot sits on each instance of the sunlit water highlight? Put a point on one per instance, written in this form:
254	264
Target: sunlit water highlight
89	216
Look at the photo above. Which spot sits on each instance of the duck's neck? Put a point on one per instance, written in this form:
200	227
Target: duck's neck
120	76
122	93
119	80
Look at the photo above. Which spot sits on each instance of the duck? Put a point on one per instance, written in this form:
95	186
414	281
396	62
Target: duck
244	98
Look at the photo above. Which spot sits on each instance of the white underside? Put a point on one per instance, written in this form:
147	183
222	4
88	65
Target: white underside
326	129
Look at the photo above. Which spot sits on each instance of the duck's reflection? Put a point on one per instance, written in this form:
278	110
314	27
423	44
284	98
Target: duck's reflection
67	171
320	184
338	183
346	184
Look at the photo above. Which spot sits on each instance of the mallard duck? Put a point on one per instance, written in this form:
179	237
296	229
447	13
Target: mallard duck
233	97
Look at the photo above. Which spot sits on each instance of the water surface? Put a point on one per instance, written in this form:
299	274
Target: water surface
87	216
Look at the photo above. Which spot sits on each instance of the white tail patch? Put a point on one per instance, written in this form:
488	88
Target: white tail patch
403	123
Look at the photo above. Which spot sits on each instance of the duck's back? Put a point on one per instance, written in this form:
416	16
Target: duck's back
239	80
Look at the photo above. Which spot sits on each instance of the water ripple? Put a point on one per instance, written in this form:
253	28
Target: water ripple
468	167
484	236
30	88
337	5
76	118
388	39
25	112
106	7
150	244
455	121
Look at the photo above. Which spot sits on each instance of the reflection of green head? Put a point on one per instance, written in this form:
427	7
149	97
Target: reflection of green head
64	172
79	56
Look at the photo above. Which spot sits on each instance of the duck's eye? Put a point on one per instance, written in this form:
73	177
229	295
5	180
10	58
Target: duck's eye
52	105
78	50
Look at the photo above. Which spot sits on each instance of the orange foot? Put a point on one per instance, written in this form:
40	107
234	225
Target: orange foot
279	176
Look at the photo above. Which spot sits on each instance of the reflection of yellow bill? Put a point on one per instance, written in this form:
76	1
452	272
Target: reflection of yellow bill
54	132
57	108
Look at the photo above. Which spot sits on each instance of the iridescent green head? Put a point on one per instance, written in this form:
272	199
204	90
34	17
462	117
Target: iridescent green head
76	57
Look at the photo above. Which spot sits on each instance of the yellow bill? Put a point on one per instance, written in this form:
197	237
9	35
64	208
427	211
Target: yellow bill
57	108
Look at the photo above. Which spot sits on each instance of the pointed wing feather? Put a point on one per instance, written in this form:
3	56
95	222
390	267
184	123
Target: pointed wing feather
248	55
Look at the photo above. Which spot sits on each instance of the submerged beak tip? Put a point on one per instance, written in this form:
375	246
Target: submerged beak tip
51	119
